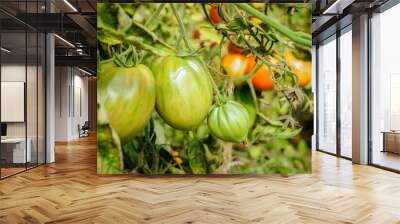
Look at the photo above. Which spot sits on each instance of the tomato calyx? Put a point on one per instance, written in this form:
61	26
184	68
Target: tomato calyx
128	58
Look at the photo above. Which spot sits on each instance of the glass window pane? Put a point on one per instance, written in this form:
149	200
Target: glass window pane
346	94
327	96
385	84
14	153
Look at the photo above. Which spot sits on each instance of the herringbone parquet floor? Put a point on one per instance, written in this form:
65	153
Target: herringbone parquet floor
69	191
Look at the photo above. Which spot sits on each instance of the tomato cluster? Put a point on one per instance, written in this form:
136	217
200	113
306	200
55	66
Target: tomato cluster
179	88
236	65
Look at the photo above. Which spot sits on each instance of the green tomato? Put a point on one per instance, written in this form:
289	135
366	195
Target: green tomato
202	131
183	91
229	122
128	95
243	96
104	75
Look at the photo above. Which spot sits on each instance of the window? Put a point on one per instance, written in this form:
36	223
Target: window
327	95
346	92
385	89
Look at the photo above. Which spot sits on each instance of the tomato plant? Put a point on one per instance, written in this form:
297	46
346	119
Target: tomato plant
182	88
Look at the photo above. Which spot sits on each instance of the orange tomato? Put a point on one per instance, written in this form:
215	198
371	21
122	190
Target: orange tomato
262	80
302	69
174	153
251	62
178	160
234	64
256	20
215	18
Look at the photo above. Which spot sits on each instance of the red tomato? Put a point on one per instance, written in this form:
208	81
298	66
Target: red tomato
232	48
262	80
214	15
251	62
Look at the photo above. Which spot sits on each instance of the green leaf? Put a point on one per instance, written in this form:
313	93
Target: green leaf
160	133
255	152
109	155
278	132
131	155
107	16
236	24
196	156
107	39
124	20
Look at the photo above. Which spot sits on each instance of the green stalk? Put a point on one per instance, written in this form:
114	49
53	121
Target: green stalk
155	15
216	90
297	37
182	28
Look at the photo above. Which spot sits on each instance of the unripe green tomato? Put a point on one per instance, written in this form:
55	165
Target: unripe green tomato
229	122
104	75
128	95
202	131
243	96
183	91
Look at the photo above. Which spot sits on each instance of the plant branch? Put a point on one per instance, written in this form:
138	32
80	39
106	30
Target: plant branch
182	28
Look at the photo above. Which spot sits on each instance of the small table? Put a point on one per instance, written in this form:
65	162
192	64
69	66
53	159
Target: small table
17	151
391	141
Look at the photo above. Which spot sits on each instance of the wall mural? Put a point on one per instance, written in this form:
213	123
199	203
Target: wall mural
204	88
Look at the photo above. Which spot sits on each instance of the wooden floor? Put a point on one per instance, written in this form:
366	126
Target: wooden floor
69	191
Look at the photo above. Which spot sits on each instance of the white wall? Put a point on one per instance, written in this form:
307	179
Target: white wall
12	73
33	127
71	102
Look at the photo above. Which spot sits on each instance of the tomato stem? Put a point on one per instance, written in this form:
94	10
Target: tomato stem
182	28
219	97
253	93
297	37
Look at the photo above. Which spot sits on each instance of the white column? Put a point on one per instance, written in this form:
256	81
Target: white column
50	98
360	90
314	91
